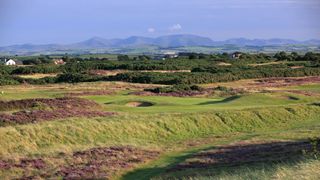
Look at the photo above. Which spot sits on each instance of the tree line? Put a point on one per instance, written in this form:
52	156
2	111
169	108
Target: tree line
202	70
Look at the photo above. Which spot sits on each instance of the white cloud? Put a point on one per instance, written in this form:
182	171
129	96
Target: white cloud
175	27
151	30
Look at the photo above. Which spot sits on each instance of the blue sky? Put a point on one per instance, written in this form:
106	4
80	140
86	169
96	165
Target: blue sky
66	21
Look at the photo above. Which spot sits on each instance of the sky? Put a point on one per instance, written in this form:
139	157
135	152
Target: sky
69	21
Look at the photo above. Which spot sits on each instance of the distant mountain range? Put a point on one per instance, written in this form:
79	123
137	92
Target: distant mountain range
170	41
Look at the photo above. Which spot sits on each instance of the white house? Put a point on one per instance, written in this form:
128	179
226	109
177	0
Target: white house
170	54
236	55
59	62
9	62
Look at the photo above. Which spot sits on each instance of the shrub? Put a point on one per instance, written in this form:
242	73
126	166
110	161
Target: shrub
8	80
176	88
222	88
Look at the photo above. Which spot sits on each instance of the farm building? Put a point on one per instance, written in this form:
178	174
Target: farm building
58	62
9	62
170	55
165	55
236	55
158	57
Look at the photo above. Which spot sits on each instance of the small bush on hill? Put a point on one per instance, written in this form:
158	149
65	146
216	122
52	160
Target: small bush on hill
8	80
176	88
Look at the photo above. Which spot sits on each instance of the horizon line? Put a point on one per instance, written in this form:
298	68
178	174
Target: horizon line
154	37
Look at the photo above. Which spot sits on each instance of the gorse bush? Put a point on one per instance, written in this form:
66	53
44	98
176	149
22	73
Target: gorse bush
203	70
8	80
169	78
208	77
75	78
204	62
176	88
44	69
6	70
222	88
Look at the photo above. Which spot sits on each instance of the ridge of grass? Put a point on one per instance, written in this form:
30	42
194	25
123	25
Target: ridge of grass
305	168
153	130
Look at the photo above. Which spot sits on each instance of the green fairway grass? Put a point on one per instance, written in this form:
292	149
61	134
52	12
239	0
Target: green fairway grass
187	104
309	87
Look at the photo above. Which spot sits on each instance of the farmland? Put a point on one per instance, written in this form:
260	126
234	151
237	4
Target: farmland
88	123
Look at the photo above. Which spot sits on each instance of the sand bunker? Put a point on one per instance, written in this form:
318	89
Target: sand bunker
139	104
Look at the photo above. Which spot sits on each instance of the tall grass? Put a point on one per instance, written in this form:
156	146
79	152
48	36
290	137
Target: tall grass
147	129
307	169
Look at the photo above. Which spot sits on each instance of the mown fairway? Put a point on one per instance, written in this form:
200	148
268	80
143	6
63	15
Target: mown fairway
187	105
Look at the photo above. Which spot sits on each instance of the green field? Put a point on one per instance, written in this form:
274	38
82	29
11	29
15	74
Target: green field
176	104
309	87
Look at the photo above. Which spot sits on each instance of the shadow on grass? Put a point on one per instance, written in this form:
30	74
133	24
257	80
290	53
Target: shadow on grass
244	153
249	159
254	170
293	98
148	173
226	100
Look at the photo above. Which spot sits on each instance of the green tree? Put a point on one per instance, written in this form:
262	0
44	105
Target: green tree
123	58
281	56
144	58
193	56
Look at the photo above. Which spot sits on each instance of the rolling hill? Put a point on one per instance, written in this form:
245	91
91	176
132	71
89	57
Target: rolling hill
169	41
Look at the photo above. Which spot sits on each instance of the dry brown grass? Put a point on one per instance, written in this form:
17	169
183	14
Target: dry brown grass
224	64
115	72
267	83
263	64
38	76
57	90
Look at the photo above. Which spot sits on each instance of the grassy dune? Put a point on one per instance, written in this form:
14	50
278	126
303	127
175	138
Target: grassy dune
155	130
178	127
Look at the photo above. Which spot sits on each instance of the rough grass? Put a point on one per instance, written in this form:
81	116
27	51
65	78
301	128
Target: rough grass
167	125
160	167
307	169
146	129
95	163
26	91
308	87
